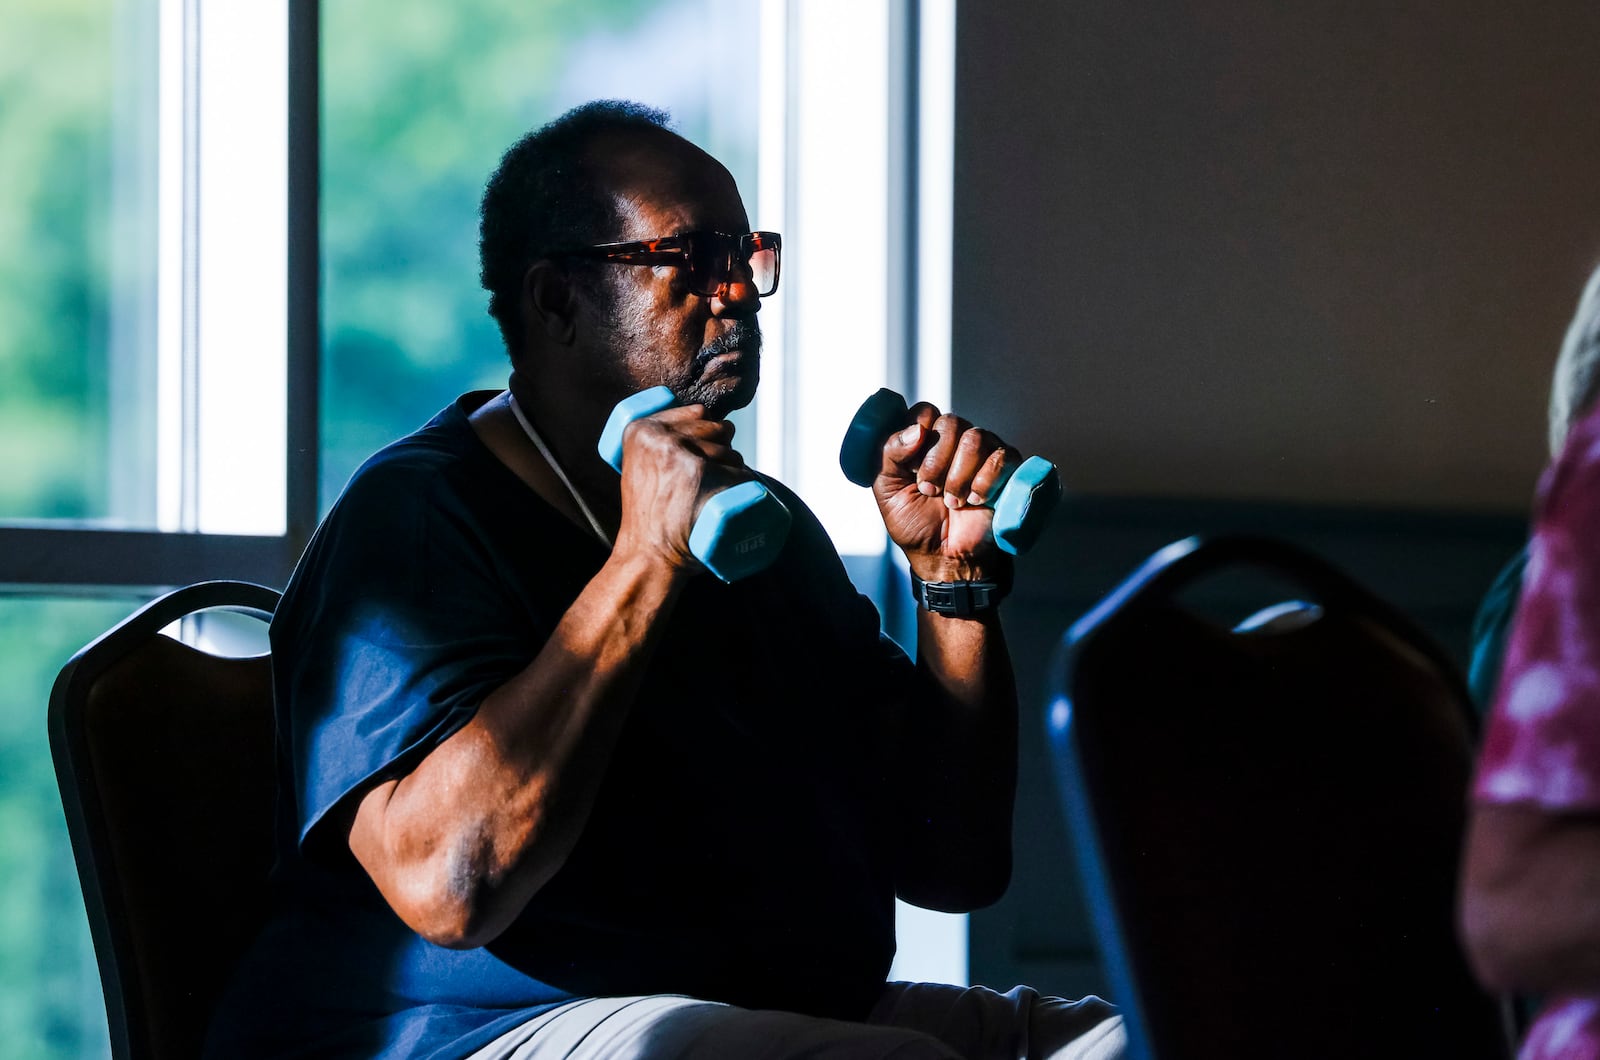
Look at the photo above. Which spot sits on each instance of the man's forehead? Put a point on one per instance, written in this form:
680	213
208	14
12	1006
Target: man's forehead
664	180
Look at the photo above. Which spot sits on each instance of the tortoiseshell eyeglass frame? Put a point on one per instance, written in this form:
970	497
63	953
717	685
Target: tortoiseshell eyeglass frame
680	250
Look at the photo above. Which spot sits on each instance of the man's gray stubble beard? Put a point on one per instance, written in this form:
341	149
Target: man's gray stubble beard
630	340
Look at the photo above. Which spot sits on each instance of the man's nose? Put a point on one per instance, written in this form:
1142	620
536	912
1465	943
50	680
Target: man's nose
737	296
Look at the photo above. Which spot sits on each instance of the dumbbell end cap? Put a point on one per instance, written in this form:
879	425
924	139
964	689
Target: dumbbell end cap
861	452
739	531
1024	507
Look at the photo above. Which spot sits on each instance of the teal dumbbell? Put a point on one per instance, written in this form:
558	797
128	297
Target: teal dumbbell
1022	505
739	530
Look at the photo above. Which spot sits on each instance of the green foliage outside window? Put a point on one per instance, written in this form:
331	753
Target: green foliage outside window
58	64
50	1001
55	125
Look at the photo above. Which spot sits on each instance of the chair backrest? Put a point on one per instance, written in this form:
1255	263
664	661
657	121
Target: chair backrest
1267	817
164	756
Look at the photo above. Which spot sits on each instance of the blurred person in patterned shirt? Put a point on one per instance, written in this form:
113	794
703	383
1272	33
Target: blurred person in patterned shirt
1530	908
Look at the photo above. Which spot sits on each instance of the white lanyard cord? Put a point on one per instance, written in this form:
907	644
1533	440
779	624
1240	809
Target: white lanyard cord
550	458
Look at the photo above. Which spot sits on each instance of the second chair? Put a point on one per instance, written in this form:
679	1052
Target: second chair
1268	816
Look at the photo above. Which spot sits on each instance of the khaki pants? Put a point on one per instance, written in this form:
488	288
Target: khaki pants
912	1021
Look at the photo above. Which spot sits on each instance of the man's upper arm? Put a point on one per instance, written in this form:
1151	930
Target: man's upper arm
395	633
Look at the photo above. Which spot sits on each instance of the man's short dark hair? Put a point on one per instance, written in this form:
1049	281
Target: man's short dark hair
546	196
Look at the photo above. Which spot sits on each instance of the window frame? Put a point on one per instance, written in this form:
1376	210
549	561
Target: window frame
44	557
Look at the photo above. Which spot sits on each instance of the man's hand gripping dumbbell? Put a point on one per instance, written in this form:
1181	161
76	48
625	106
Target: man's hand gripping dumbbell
739	527
950	493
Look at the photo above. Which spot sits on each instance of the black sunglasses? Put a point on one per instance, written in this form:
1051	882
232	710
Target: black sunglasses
711	260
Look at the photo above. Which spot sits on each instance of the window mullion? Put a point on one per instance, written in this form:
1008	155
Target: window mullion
188	353
303	264
177	81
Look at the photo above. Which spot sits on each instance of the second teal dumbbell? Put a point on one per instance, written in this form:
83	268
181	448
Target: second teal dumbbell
739	530
1022	505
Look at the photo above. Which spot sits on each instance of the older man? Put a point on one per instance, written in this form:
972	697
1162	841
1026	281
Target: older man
548	788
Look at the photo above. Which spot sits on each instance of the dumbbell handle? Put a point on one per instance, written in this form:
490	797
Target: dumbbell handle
1022	503
739	530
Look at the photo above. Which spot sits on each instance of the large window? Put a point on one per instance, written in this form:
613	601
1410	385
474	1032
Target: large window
238	254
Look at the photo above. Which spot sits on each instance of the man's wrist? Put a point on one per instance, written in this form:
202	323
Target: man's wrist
992	566
961	598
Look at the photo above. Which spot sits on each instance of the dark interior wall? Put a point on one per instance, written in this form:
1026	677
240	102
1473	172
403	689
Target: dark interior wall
1293	268
1320	251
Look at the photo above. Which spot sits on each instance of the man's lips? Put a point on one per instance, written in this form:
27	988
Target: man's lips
741	339
729	353
726	362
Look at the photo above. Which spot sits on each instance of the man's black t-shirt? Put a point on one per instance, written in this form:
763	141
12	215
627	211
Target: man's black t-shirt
739	849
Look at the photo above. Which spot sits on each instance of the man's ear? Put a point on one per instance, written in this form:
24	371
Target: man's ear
548	304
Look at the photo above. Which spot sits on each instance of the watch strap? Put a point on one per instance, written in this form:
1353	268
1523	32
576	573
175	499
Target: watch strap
962	599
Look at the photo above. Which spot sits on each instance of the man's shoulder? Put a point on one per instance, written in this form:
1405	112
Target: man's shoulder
400	496
414	466
404	499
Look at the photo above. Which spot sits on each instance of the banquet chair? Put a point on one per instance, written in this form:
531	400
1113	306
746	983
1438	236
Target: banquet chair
164	756
1267	813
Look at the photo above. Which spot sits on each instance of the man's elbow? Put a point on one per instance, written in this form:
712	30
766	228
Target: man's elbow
975	884
987	886
441	914
466	932
454	896
452	934
986	890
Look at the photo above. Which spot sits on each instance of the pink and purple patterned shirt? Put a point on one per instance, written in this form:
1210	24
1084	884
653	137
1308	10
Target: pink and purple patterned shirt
1543	741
